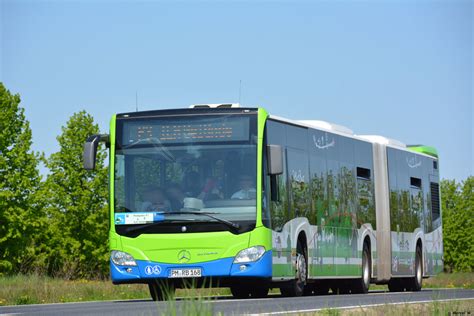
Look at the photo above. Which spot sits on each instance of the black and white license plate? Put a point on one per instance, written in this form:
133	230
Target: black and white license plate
185	273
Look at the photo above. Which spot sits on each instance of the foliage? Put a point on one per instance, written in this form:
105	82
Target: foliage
458	227
21	217
76	202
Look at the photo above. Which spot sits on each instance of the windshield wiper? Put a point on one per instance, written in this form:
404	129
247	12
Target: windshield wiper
210	214
232	225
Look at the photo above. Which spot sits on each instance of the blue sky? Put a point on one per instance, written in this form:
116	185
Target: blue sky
402	69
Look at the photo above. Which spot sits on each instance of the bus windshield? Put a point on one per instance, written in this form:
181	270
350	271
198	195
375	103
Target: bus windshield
167	170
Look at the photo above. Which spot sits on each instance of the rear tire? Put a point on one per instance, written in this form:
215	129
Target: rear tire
296	287
415	283
362	285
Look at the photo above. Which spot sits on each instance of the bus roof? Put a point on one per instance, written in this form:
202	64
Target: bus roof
428	150
230	108
344	131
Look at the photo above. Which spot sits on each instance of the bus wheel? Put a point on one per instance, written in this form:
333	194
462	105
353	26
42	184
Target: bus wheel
362	285
296	287
415	283
239	291
160	292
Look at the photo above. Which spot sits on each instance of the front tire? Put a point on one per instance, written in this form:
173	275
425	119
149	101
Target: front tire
296	287
161	291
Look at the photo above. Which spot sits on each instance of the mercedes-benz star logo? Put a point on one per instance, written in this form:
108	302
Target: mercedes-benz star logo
184	256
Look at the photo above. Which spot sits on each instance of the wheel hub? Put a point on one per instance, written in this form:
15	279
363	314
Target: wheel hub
301	267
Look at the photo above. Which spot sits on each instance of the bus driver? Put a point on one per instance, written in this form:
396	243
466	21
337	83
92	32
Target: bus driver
154	200
247	189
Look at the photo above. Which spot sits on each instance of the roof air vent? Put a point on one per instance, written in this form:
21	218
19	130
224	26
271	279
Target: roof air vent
215	105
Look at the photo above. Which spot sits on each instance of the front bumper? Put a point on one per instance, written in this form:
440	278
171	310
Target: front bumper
221	268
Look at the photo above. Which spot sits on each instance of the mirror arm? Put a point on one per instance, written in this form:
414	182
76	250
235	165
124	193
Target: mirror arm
105	138
101	138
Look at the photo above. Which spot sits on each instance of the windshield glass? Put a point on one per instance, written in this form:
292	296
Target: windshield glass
167	169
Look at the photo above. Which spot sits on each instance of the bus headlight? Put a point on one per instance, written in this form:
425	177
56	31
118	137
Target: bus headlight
250	254
121	258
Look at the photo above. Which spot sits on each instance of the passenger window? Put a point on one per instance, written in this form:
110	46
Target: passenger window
298	177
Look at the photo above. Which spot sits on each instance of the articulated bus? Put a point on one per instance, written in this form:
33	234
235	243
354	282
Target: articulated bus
227	196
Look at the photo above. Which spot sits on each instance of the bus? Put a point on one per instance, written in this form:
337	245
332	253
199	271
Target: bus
226	196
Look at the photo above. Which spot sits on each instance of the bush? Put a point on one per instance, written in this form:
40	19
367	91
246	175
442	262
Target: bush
458	231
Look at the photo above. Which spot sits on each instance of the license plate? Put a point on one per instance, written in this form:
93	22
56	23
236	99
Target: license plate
185	273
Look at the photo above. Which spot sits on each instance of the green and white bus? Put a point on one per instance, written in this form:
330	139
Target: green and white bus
221	195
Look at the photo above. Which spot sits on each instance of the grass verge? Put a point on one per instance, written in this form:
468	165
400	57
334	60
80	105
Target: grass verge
451	280
458	307
31	289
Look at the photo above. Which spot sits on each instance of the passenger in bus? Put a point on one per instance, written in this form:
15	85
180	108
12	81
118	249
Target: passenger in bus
176	196
214	187
154	200
247	189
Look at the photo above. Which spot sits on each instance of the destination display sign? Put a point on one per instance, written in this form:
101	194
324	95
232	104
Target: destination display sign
187	129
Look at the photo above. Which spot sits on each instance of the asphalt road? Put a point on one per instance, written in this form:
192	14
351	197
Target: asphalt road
273	305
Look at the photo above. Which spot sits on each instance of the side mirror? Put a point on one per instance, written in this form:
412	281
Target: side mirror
275	159
90	150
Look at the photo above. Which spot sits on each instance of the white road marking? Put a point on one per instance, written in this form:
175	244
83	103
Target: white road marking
359	306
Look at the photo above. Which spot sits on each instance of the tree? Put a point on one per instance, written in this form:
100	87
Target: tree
77	205
465	219
458	232
21	217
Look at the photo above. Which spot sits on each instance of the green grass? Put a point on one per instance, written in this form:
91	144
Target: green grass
458	307
22	289
434	308
451	280
463	280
